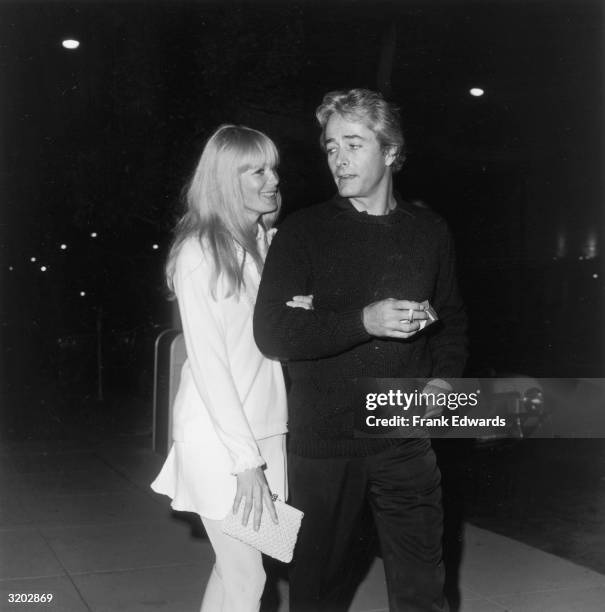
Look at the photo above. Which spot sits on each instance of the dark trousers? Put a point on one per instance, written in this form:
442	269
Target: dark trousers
403	494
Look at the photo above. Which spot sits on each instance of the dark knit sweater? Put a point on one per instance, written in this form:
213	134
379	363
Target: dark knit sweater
348	260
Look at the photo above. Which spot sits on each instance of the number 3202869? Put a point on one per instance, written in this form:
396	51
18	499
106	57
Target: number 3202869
30	597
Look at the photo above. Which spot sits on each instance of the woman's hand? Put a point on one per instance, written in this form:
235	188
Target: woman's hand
301	301
253	488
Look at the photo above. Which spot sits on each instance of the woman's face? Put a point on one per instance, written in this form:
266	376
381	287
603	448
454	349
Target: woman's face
259	188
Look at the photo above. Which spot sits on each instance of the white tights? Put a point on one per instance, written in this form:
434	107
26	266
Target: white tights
237	580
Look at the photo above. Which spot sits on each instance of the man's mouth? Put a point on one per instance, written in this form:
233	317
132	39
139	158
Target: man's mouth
269	194
344	177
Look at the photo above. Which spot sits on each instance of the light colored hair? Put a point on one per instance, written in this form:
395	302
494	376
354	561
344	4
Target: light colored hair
371	109
215	205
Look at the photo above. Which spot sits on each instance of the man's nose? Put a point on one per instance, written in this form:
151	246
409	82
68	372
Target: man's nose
341	159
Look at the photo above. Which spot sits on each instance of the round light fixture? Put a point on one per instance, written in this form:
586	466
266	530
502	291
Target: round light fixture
476	92
71	44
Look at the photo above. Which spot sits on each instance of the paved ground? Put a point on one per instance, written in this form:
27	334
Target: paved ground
78	520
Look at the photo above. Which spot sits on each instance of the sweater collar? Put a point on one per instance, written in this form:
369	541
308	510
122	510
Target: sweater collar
397	215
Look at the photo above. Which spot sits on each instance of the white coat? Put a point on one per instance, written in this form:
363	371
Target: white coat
230	395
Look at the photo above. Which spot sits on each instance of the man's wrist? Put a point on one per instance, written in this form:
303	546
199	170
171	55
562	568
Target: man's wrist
440	383
357	325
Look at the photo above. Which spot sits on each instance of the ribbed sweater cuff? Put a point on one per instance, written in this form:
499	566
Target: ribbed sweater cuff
351	323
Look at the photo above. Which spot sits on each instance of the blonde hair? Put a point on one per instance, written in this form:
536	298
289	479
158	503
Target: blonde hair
215	205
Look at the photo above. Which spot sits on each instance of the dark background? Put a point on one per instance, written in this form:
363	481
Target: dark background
103	138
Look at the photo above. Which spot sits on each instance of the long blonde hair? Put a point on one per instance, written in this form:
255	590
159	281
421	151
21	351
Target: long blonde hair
215	205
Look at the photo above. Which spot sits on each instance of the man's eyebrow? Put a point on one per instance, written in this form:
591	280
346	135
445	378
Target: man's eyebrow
346	136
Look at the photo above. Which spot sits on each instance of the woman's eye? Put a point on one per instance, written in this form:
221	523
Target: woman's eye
355	146
260	171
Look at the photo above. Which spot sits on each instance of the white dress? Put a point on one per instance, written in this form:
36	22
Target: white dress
230	408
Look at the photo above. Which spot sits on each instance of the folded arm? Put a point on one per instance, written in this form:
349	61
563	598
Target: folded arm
285	331
298	333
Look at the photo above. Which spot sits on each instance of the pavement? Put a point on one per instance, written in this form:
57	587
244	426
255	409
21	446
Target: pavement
79	522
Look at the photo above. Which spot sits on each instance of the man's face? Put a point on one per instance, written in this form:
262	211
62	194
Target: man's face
358	164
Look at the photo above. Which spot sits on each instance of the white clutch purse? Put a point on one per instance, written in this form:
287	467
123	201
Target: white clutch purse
277	541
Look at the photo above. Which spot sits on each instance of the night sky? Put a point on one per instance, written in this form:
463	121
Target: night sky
102	138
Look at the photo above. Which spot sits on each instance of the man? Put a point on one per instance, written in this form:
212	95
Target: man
369	260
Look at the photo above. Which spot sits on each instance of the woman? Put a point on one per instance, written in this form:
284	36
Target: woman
229	419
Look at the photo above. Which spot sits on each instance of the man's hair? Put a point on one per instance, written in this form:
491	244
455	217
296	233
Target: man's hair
369	108
215	204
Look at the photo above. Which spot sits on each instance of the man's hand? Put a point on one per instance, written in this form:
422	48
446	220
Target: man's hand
392	318
435	387
301	301
253	488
